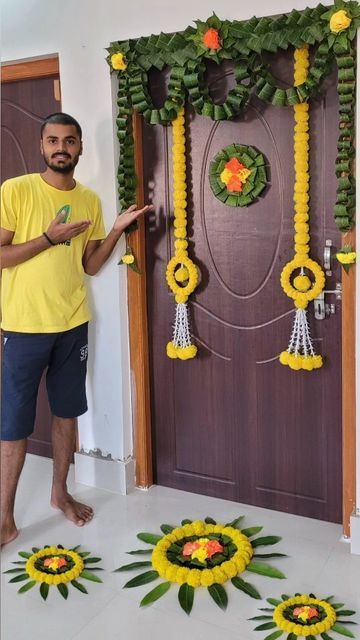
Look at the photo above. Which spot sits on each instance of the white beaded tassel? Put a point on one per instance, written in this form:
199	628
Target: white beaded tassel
181	336
300	340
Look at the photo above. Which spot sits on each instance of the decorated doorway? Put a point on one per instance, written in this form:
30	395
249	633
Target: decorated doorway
233	421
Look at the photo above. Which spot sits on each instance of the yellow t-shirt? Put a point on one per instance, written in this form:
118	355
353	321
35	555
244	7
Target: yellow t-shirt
46	293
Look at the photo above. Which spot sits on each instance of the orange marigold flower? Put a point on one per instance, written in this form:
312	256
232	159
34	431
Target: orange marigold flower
189	548
234	184
213	546
55	562
211	39
234	165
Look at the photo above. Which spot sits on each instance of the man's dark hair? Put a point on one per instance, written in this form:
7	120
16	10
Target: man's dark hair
61	118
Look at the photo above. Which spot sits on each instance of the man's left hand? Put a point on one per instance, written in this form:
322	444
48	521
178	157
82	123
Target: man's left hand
130	215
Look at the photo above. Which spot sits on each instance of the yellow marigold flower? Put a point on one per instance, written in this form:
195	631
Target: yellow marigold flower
219	575
200	554
118	62
346	258
207	578
229	568
199	527
194	578
339	21
128	258
181	575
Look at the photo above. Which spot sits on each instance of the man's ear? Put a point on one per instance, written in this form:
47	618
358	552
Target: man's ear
81	148
41	147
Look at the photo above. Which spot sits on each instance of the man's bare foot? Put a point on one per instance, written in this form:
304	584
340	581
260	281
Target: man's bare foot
75	511
8	533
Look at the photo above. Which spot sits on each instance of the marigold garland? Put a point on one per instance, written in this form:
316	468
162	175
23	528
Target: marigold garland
300	352
54	565
304	615
203	554
181	273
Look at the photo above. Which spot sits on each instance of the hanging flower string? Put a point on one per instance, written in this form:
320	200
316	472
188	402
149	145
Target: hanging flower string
300	353
181	272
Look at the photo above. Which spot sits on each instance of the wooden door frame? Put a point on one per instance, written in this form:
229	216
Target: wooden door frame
139	359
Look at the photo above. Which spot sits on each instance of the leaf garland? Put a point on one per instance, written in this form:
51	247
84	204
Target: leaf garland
243	42
201	554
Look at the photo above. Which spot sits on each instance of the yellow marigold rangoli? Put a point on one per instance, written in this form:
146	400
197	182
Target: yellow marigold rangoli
304	615
54	566
202	554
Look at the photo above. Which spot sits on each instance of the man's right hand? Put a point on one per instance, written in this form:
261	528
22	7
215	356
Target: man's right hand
59	232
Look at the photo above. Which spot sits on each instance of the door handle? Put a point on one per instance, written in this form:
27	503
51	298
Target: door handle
321	308
327	257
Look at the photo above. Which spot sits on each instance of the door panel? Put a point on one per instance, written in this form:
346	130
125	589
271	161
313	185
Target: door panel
233	422
25	104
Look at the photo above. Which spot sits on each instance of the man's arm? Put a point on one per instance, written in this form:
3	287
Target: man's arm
13	254
97	252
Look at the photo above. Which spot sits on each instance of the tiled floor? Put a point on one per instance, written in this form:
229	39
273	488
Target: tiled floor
318	561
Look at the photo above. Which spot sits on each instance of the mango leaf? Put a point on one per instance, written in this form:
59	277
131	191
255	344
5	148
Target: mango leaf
155	594
292	636
20	578
324	636
265	570
133	565
186	597
345	632
63	590
76	548
265	626
273	636
186	521
344	612
166	528
91	560
27	586
143	578
18	570
90	576
44	590
251	531
235	522
270	555
273	601
79	586
209	520
22	562
151	538
337	605
219	595
25	554
239	583
35	549
259	542
140	552
84	554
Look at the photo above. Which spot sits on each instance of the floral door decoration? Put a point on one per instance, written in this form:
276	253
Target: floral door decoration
237	175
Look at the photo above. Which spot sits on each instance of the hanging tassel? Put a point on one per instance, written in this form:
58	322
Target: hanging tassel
181	346
300	353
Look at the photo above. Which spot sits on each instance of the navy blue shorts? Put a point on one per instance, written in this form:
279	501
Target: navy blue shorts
25	357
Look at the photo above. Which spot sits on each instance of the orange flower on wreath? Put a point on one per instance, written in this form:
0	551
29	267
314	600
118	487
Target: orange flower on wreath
234	175
211	39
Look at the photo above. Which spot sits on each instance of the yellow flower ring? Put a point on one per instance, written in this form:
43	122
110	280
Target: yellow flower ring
304	615
301	297
54	566
174	265
203	577
254	171
284	622
36	560
202	554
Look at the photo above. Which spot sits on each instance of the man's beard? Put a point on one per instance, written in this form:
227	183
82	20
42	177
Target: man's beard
65	168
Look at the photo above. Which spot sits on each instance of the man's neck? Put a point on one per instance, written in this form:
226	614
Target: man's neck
62	181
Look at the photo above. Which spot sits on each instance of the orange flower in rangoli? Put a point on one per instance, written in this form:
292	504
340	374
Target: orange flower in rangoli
211	39
190	547
235	184
213	546
305	613
234	165
55	562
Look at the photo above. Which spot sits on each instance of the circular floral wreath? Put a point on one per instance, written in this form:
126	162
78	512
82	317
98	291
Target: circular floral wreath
304	615
237	175
202	554
54	565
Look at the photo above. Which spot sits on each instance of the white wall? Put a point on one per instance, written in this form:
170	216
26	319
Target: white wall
79	31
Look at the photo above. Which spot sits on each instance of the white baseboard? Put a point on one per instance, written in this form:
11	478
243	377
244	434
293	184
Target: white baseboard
355	533
112	475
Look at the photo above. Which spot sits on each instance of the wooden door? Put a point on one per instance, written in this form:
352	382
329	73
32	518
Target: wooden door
234	422
25	104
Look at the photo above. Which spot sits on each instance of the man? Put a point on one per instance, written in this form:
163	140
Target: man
51	233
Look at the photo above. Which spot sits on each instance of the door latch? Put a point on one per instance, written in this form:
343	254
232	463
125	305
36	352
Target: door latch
321	308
